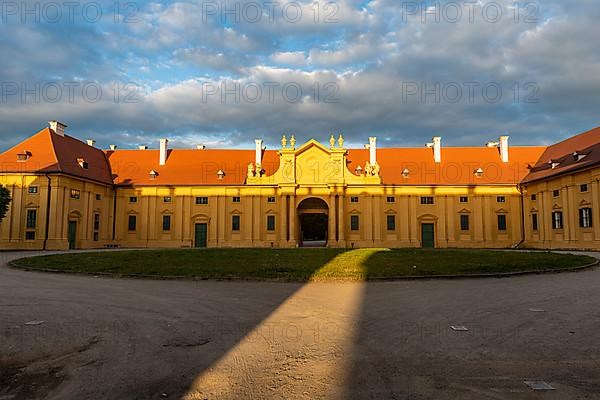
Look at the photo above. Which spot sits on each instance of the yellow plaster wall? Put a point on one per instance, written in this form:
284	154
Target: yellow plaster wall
569	201
63	209
312	170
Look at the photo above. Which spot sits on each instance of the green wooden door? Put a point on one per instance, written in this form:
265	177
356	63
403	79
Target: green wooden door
200	235
427	236
72	235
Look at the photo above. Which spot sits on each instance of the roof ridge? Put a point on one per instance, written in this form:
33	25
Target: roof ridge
574	138
54	149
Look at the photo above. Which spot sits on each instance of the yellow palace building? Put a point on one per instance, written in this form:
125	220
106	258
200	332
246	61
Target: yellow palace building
67	193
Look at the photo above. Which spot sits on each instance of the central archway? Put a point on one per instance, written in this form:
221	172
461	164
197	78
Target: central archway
313	214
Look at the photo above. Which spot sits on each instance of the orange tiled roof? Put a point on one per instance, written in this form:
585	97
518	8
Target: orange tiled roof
49	152
186	166
457	166
562	154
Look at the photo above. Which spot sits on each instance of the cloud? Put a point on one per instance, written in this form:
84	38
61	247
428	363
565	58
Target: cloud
290	58
372	69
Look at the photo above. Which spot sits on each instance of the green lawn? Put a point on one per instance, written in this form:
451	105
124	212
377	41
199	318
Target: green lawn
303	264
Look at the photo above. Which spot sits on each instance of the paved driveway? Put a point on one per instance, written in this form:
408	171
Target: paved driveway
102	338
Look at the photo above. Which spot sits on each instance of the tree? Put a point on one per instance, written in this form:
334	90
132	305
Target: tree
4	201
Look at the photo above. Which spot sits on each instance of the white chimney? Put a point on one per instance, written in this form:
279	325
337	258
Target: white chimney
436	145
504	148
163	151
259	145
91	142
373	150
113	146
57	127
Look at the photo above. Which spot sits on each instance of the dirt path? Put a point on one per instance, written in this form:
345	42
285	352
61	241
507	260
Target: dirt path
104	338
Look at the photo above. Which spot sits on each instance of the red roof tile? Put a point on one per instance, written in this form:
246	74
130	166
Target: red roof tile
562	154
49	152
457	167
186	166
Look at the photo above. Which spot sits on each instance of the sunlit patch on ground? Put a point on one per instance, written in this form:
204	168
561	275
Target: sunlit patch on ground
301	350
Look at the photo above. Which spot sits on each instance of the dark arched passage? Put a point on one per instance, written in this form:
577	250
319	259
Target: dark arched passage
313	214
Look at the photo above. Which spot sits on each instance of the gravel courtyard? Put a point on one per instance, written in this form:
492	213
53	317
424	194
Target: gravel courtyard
85	337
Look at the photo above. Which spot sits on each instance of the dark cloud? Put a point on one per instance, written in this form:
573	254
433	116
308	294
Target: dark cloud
377	71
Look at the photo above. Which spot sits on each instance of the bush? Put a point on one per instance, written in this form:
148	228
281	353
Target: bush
4	201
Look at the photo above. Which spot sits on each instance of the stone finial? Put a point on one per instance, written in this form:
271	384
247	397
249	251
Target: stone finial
250	170
283	142
293	142
341	141
368	169
375	169
332	141
258	171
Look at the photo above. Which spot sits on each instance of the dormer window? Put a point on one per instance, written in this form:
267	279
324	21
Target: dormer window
153	174
553	164
82	163
479	172
220	175
24	156
578	156
405	173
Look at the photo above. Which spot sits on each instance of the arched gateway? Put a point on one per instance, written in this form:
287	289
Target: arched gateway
313	214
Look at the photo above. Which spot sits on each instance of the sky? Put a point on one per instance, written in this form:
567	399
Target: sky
224	73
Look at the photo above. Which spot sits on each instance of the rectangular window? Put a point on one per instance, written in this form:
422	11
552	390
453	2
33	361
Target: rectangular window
132	222
464	199
354	222
557	220
464	222
391	199
96	222
534	222
75	194
166	222
133	199
270	222
583	188
167	199
235	222
427	200
236	199
500	199
201	200
501	222
555	193
391	222
354	199
533	197
33	190
30	235
31	219
271	199
96	236
98	197
585	217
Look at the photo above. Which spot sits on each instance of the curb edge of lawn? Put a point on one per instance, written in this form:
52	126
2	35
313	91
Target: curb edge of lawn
12	264
492	274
